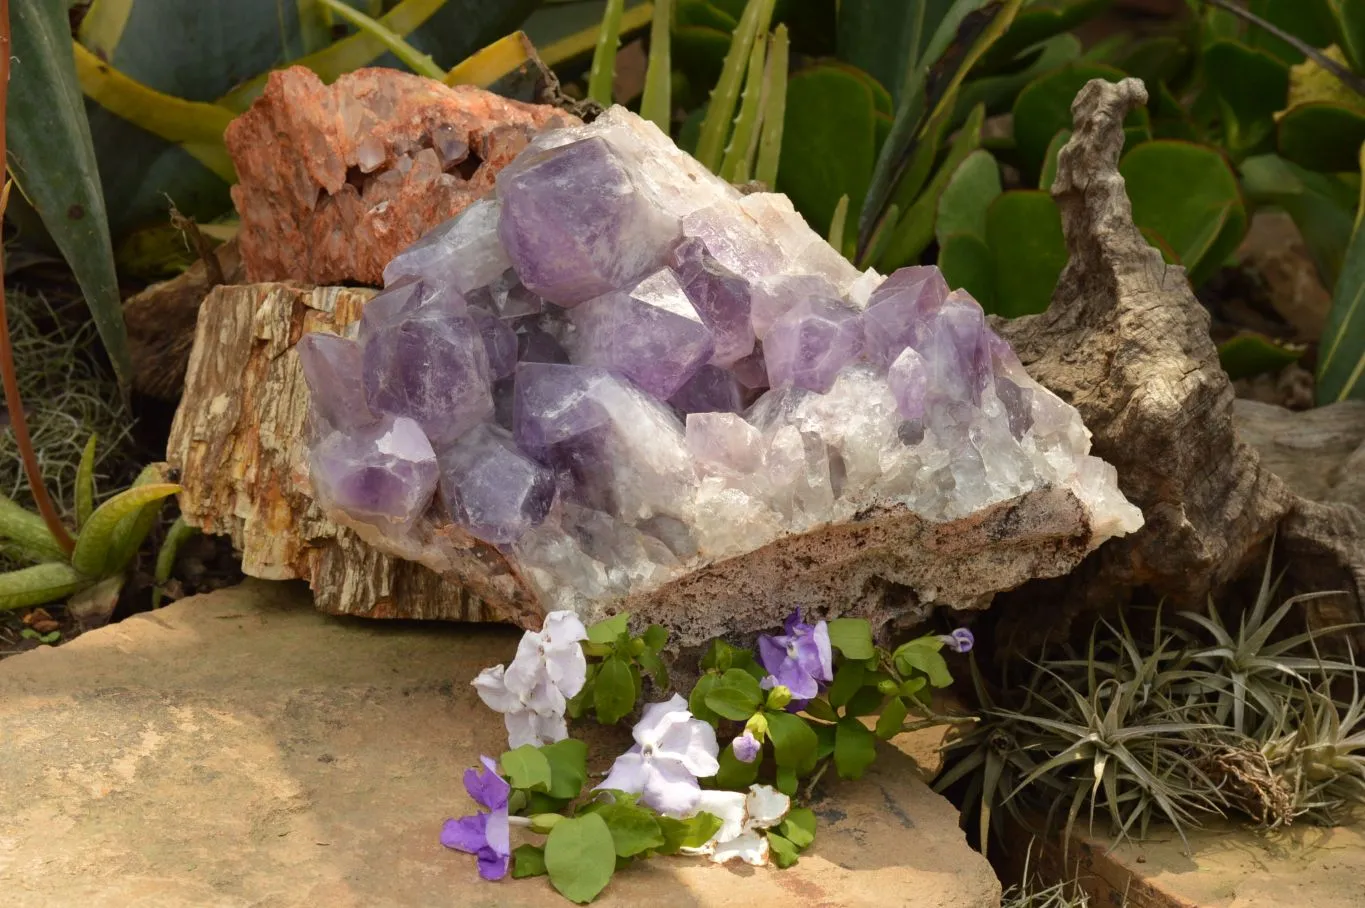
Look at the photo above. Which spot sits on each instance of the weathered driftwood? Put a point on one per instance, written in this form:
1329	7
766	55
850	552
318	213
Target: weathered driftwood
1126	343
1319	453
239	440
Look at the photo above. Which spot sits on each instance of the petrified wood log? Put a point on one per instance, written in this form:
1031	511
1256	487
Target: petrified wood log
1126	343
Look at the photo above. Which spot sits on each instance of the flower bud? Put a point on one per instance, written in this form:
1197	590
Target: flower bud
746	747
779	697
544	822
757	726
887	686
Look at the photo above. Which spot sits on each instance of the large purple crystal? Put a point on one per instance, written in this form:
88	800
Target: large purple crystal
810	343
331	366
651	334
431	367
383	474
491	488
575	224
537	352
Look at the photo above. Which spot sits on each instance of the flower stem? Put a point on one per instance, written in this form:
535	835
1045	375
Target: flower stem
8	378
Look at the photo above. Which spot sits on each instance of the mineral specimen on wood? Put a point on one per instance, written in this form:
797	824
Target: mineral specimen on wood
335	180
621	471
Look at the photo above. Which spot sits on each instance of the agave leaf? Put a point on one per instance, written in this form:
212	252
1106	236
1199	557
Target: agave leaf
39	585
27	533
744	136
506	60
100	538
715	126
85	484
552	28
656	104
53	161
604	57
774	109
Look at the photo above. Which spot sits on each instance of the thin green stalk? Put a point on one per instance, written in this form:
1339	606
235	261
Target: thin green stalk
18	421
417	61
1344	75
604	57
736	165
836	223
774	109
716	125
176	537
656	105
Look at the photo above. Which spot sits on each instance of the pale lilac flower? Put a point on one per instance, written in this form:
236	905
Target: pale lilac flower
959	641
743	818
531	693
746	747
672	750
800	660
485	835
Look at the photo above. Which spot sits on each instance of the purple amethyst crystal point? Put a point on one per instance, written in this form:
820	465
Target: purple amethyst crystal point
507	298
808	345
954	343
908	377
898	309
395	303
491	488
499	343
553	403
775	295
711	390
575	224
536	345
751	372
652	335
720	296
463	252
430	367
383	474
331	367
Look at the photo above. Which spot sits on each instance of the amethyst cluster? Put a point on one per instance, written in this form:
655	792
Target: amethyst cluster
618	364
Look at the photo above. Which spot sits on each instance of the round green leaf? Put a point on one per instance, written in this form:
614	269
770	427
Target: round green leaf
1310	20
799	827
852	637
1252	84
848	680
633	828
893	715
734	774
736	695
1024	233
696	701
794	742
608	630
1322	136
614	692
568	760
855	747
580	857
1250	354
831	119
526	767
970	191
1044	107
1188	195
967	263
527	860
784	853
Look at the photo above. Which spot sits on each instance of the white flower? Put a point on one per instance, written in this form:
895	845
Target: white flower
672	750
531	692
741	819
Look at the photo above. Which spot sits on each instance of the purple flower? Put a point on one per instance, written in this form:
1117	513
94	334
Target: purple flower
485	835
799	660
959	641
746	747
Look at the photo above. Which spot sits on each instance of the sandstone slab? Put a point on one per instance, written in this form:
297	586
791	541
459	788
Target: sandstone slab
241	749
335	179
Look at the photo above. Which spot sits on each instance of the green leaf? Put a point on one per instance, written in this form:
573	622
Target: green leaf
832	115
969	193
634	829
178	534
852	637
786	781
848	680
774	110
1044	107
882	39
794	742
649	660
890	722
736	695
715	128
1323	207
614	693
1188	195
922	655
85	484
700	829
28	533
699	12
604	57
655	637
1024	233
526	767
866	701
784	853
1038	21
997	92
580	857
1054	148
414	59
39	585
696	701
1322	136
53	161
1249	354
1341	353
967	263
743	144
1351	18
734	774
106	534
132	530
528	860
568	760
799	827
1253	85
1311	20
609	630
855	747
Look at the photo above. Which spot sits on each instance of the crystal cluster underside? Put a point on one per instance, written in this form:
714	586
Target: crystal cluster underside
618	366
